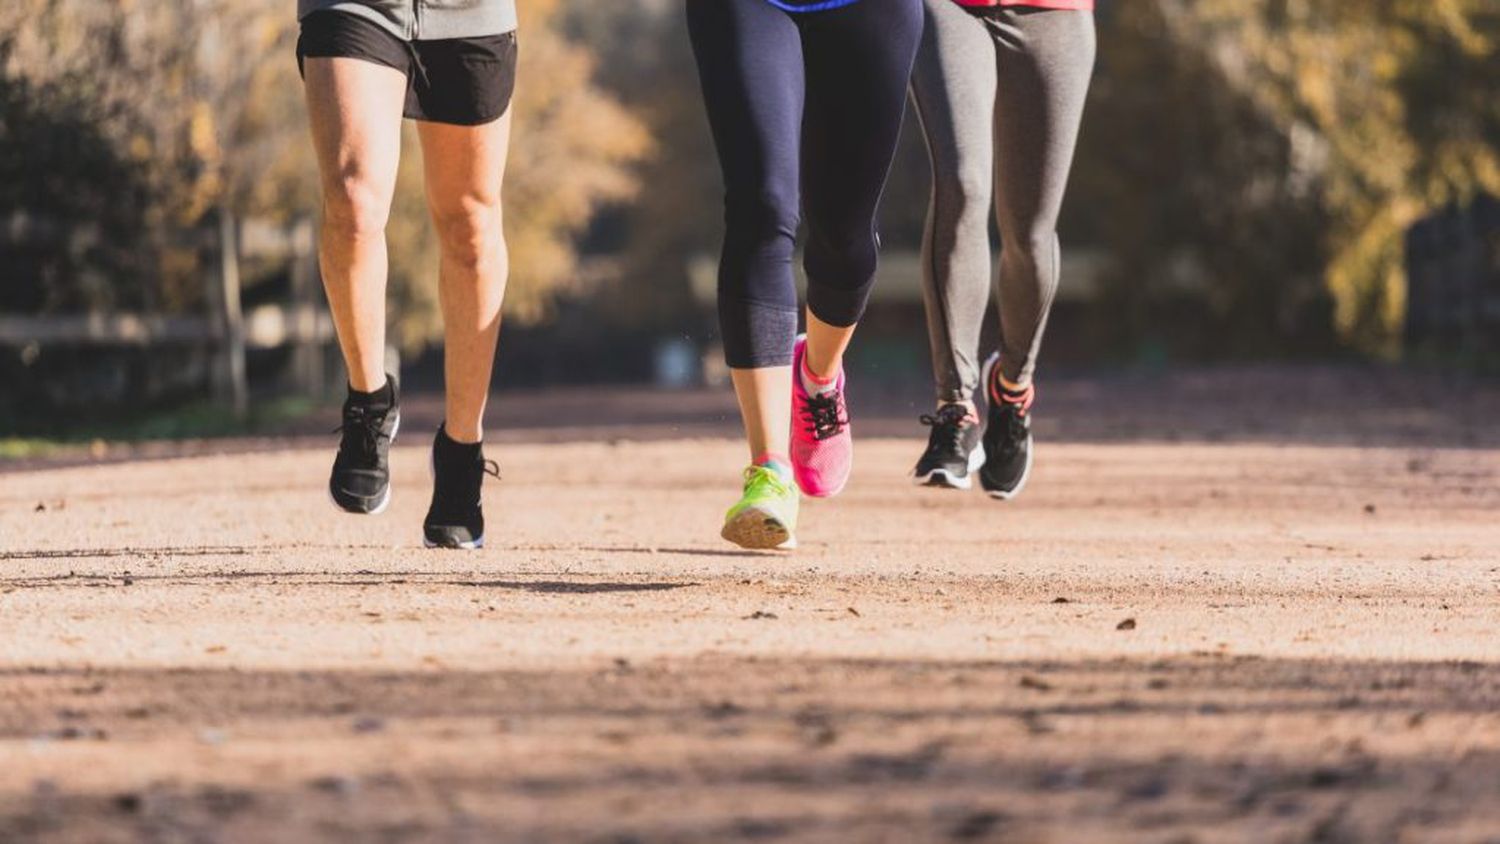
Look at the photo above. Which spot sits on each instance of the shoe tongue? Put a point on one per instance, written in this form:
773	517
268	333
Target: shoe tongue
954	413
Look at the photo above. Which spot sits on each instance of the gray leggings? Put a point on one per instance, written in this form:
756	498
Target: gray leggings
1000	94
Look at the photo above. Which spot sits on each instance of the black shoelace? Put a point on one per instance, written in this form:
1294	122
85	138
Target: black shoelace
463	492
1013	434
363	429
823	417
947	429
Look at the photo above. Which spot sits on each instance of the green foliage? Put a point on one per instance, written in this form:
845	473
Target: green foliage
1394	107
56	166
1208	220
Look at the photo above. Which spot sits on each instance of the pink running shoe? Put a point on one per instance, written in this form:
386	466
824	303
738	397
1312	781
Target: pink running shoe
822	447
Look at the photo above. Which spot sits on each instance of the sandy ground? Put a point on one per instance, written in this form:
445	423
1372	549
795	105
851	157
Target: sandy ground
1240	626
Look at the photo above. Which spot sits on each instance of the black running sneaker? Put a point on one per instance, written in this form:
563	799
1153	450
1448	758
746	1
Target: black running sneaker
1007	440
953	451
361	479
456	518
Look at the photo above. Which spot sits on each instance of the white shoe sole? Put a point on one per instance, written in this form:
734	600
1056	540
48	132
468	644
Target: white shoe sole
759	531
944	479
385	500
462	546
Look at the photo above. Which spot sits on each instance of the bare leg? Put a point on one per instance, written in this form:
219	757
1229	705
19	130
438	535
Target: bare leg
464	167
355	111
765	396
826	345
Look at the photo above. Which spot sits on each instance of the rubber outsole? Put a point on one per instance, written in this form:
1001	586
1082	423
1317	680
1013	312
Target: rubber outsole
944	479
385	501
475	545
759	531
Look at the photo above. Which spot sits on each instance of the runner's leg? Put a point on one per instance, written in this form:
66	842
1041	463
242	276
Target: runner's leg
1045	61
355	108
464	167
953	88
859	61
750	65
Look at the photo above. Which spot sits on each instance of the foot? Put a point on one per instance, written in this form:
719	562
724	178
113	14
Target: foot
822	447
1007	437
953	448
361	479
766	515
456	517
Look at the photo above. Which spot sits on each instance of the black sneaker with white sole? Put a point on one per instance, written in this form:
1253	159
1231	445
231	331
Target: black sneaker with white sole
954	449
361	478
456	517
1008	451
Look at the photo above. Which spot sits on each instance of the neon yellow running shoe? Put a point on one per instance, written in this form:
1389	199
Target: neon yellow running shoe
766	515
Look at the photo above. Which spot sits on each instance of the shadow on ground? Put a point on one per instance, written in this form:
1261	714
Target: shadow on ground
723	748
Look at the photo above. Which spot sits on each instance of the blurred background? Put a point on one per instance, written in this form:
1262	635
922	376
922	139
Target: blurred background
1276	183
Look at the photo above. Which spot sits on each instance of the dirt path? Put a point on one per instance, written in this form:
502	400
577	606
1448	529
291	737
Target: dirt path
201	650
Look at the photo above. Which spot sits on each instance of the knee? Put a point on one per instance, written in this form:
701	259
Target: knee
356	207
469	230
1031	246
842	255
763	220
965	195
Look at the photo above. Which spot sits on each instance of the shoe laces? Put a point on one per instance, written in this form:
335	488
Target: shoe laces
762	480
825	414
947	426
363	428
1013	418
474	472
459	486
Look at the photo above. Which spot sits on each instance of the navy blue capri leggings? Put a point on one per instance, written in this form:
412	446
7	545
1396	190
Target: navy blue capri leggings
805	100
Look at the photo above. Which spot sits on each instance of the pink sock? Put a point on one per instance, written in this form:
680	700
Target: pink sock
1001	393
814	385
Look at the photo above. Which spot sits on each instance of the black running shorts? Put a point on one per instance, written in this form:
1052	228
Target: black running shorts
464	81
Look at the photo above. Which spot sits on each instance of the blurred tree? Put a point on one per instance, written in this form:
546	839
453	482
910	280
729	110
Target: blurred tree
55	165
1211	234
197	105
646	62
1390	109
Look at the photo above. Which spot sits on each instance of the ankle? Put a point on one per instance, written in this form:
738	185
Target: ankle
821	375
777	463
814	383
362	383
969	408
462	436
383	395
1004	389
